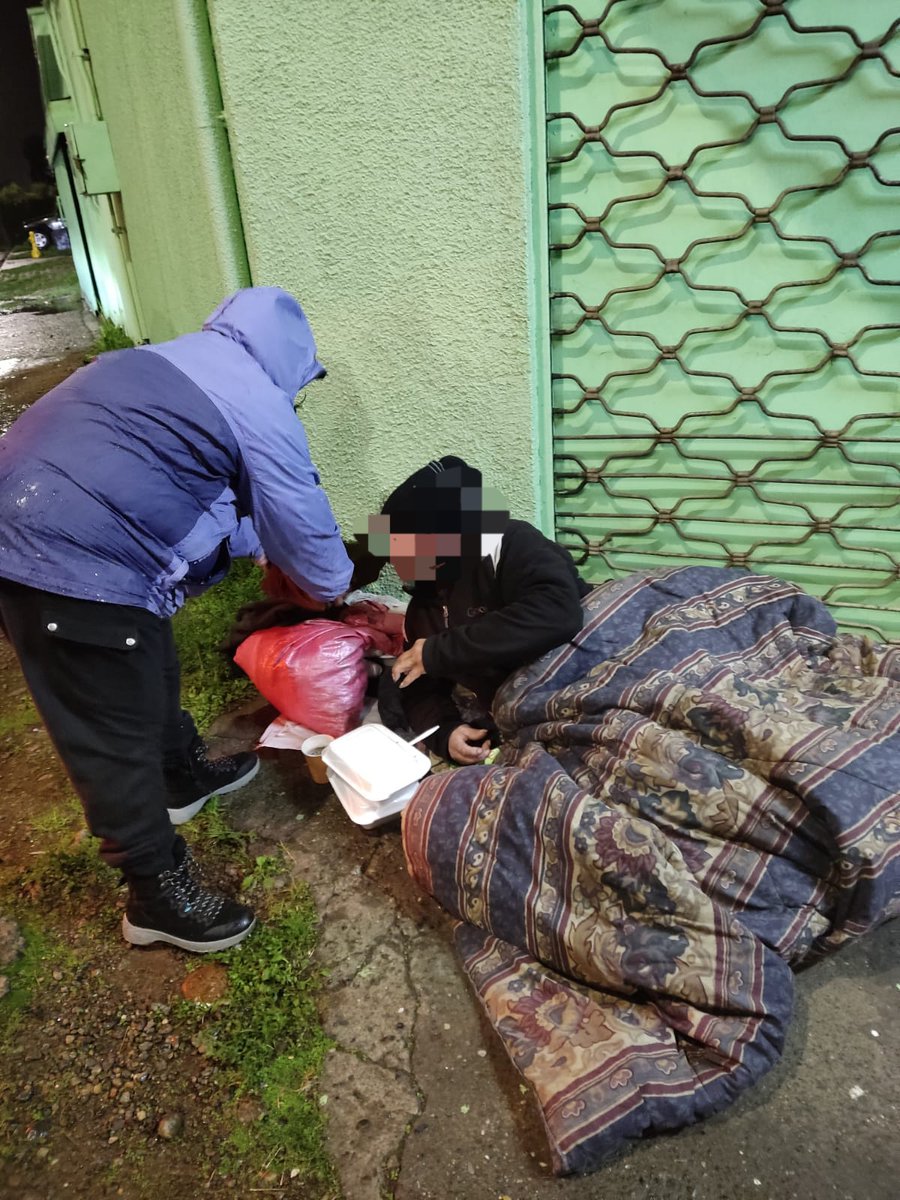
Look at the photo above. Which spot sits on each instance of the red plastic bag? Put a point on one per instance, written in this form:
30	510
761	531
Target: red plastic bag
385	625
314	673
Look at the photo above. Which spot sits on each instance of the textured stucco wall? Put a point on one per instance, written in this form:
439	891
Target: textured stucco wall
379	151
158	91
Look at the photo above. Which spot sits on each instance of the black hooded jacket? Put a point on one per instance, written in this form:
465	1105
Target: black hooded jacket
484	617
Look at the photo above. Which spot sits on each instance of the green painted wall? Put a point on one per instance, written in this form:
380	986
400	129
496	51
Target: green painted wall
381	157
72	104
158	89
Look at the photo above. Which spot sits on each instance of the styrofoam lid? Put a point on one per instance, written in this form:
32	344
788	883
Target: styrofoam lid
375	761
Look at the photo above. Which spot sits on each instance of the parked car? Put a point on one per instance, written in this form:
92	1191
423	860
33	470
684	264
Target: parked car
48	231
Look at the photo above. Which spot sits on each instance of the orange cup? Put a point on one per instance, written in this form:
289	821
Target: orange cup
312	749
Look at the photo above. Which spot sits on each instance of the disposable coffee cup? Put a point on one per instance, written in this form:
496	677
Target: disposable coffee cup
312	749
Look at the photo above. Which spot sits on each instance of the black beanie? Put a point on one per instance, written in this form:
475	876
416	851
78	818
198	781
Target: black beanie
431	500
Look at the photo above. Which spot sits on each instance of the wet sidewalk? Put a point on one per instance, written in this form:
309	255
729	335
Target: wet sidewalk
37	351
422	1101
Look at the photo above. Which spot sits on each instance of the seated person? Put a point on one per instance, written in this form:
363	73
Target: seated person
489	594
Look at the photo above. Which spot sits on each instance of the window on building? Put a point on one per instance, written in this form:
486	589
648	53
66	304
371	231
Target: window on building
52	79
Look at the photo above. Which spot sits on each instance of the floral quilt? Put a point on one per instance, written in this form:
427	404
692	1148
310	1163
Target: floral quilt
695	796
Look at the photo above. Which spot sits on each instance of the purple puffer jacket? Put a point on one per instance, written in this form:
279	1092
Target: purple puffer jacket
139	477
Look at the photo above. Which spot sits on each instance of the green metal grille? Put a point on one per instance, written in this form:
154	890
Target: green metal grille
725	290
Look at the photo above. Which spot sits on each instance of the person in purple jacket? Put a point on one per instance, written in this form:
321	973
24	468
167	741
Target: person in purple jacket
124	490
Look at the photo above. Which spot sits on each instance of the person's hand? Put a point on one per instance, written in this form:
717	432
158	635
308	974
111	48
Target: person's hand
468	745
409	666
261	561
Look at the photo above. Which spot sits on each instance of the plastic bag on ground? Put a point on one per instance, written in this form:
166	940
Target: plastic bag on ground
386	626
314	673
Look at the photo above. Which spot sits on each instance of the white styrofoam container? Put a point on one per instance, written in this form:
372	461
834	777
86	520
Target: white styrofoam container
362	811
375	762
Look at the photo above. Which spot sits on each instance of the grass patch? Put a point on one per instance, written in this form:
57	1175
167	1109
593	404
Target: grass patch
73	869
28	978
266	1034
62	821
110	337
45	285
18	718
209	684
68	864
213	838
266	869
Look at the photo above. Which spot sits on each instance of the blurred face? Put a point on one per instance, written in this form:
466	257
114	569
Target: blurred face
422	557
414	556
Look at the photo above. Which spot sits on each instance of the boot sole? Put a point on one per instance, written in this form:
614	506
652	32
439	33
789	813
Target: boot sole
146	937
178	816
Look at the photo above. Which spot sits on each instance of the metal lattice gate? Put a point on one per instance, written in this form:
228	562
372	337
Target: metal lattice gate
725	276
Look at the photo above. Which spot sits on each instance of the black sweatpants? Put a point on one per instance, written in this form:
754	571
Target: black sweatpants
105	680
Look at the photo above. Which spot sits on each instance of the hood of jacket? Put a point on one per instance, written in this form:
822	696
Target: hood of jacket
271	326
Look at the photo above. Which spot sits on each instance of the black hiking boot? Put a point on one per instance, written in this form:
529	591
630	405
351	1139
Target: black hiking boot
176	907
199	778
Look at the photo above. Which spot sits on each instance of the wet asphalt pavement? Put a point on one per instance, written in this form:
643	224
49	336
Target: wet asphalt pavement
37	350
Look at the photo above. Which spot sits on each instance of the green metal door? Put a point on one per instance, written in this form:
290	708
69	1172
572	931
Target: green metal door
725	290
